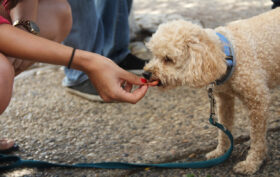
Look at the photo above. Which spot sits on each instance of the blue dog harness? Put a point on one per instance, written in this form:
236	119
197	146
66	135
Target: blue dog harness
8	162
230	59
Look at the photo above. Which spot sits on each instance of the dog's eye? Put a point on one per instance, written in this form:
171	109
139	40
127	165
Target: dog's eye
168	60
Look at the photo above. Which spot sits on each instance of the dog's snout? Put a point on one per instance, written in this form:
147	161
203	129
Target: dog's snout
147	75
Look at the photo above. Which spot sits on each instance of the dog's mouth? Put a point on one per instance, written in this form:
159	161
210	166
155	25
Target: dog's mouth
152	80
159	84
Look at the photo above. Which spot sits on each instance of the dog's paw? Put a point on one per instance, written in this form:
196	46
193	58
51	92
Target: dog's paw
247	167
214	154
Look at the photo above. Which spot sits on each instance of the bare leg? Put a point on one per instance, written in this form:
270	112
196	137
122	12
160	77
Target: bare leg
6	82
54	19
6	87
226	117
55	22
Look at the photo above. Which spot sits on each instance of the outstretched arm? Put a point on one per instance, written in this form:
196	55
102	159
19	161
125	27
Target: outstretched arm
112	82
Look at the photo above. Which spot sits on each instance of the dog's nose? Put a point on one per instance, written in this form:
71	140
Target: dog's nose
147	75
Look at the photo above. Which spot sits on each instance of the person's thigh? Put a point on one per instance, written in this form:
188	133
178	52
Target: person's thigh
54	19
6	82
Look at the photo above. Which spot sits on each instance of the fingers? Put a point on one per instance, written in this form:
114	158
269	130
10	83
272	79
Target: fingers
122	95
128	87
116	84
132	78
135	96
125	95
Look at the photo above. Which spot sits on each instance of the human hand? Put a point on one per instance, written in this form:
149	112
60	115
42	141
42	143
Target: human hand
20	65
113	83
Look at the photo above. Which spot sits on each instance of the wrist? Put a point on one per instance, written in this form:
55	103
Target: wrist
83	61
28	25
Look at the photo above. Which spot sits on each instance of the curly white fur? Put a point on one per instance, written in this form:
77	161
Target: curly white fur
187	54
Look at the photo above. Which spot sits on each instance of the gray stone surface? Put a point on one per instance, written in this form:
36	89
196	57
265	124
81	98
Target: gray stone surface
170	126
150	22
210	13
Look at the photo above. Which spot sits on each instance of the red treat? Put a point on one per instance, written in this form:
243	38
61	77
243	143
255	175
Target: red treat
153	83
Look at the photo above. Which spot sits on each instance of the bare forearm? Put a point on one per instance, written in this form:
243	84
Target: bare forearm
20	44
105	75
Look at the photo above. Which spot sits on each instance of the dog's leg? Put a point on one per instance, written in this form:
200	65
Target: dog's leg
226	115
257	100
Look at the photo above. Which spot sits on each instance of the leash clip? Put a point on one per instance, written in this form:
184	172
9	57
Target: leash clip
212	100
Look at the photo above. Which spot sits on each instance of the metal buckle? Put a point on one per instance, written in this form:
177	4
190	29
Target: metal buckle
212	100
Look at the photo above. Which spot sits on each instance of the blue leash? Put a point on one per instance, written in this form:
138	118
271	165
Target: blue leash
16	162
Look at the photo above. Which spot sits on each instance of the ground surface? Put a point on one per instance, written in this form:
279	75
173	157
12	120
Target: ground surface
50	124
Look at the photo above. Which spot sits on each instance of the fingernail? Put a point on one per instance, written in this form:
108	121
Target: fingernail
143	80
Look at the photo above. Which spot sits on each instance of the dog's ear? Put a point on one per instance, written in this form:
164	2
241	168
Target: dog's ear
206	61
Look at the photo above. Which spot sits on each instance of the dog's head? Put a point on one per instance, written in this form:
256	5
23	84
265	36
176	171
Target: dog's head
184	54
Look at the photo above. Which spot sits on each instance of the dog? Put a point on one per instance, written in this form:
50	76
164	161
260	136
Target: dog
185	54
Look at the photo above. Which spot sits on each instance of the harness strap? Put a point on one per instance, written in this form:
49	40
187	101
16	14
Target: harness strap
230	59
16	162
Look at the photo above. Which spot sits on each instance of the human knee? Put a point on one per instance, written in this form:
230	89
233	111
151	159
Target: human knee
56	13
6	82
64	16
